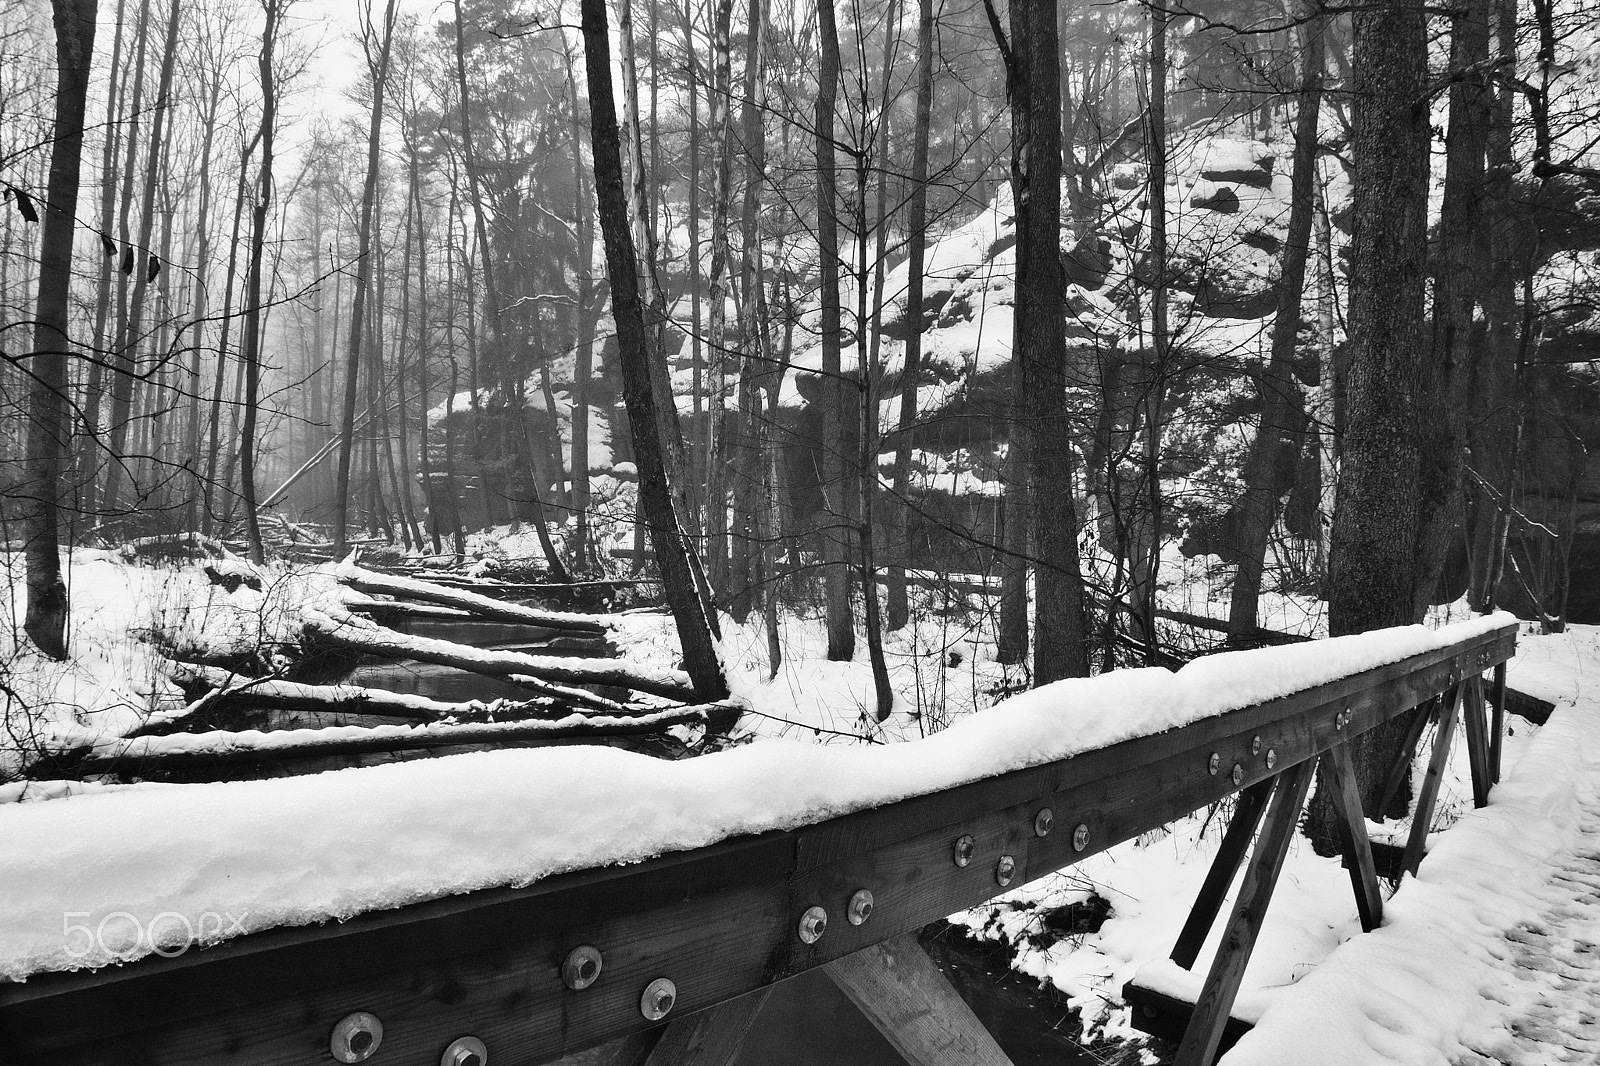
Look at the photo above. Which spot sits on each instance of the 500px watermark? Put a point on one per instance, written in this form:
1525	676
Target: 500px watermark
123	935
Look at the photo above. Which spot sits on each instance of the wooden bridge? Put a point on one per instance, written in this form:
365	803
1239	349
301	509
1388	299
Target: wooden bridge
668	960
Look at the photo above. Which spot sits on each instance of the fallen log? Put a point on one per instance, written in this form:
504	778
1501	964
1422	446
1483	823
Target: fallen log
369	581
352	632
272	692
187	751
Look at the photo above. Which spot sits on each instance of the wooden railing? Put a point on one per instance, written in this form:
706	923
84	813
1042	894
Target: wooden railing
666	954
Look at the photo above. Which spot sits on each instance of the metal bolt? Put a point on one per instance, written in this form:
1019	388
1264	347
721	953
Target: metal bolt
1342	719
1238	773
1214	763
963	850
659	996
1255	745
813	923
1080	837
860	908
465	1051
356	1037
1272	758
1005	870
581	967
1043	821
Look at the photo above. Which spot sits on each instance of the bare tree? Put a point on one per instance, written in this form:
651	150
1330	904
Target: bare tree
49	428
673	552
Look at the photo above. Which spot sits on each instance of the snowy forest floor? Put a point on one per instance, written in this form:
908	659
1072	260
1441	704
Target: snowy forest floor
1495	941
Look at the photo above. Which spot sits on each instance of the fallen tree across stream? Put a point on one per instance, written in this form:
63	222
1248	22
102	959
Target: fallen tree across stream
227	688
369	581
189	751
341	629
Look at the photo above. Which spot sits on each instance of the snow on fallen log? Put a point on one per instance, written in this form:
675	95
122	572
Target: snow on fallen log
345	699
355	633
185	751
363	580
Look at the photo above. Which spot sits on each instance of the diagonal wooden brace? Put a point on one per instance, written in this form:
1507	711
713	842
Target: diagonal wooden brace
903	994
1230	856
1200	1040
1338	776
1428	795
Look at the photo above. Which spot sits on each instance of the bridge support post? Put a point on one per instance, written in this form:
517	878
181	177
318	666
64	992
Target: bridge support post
1338	777
1472	712
1204	1033
1497	725
1417	842
1214	890
1407	751
902	993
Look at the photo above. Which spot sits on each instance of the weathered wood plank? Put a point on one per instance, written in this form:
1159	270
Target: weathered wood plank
1497	726
1401	766
1251	803
1201	1038
711	1037
902	993
1472	713
1422	818
1339	780
720	921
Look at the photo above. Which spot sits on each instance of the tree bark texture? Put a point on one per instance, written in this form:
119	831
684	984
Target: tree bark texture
1060	646
673	552
49	427
1270	463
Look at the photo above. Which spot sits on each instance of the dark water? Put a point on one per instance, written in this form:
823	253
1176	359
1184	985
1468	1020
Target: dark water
807	1021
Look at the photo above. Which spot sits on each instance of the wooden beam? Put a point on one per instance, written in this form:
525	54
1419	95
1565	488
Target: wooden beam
1497	726
1214	890
1200	1040
1472	713
1403	755
711	1037
1338	775
1417	842
902	993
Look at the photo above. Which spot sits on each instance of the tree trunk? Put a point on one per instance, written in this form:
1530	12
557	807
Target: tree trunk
1373	563
1060	644
835	519
49	427
1463	251
377	56
253	283
673	552
917	238
1270	464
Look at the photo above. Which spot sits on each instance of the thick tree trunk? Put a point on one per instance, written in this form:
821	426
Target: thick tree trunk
1270	463
1060	644
49	426
673	552
1373	564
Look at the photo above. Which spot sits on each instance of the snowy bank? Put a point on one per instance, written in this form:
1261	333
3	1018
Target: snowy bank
223	859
